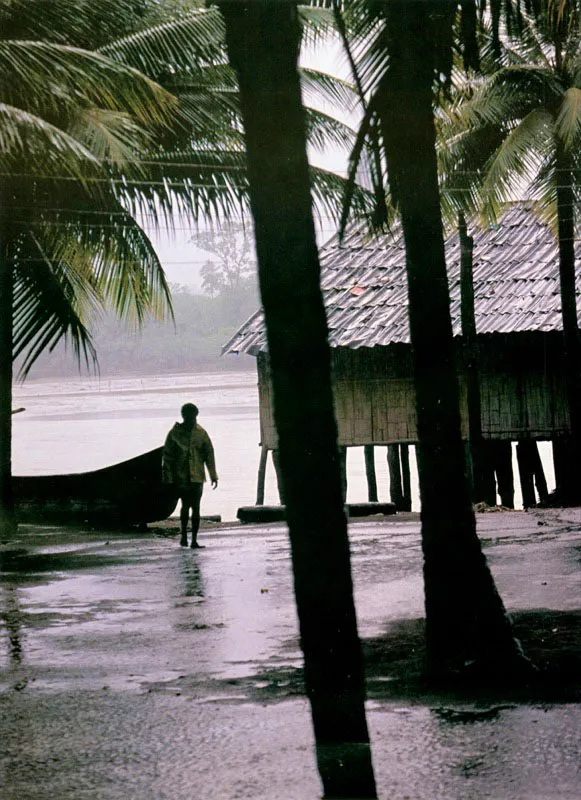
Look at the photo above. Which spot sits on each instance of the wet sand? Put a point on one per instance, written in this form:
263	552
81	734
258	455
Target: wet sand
132	668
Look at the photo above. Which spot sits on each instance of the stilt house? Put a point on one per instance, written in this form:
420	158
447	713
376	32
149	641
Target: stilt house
517	311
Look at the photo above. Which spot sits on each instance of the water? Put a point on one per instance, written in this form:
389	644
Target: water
85	424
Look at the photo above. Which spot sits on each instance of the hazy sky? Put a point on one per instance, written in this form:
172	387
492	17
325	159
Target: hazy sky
180	257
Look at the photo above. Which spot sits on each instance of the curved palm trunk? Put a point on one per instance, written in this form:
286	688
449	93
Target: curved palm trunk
571	344
465	617
7	522
263	40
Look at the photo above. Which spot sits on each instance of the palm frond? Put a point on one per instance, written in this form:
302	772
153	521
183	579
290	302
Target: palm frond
328	190
83	23
27	79
45	302
111	136
318	85
324	130
511	93
568	123
518	157
187	44
30	145
316	23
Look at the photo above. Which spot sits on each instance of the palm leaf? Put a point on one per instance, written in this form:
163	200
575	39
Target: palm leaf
45	302
187	44
568	123
30	145
518	157
28	70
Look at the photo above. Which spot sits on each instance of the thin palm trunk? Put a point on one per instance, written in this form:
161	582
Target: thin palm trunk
6	324
262	40
470	348
571	344
465	617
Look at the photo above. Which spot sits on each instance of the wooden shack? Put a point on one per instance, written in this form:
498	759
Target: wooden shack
518	321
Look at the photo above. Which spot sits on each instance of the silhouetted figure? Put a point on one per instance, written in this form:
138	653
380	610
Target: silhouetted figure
187	452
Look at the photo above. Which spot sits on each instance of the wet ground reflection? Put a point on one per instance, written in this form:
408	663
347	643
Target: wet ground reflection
132	668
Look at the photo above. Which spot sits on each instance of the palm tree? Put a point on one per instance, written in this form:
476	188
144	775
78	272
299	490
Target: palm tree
96	171
71	124
263	40
205	151
400	47
520	128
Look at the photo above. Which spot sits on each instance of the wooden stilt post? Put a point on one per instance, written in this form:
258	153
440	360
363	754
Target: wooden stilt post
343	468
539	475
369	451
562	452
395	487
406	504
525	471
504	474
261	476
486	470
276	462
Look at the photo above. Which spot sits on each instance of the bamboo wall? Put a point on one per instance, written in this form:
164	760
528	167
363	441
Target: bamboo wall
521	387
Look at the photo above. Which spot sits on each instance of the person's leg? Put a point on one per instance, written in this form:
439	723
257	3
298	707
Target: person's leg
196	497
184	514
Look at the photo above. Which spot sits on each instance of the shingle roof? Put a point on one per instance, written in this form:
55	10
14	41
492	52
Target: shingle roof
516	285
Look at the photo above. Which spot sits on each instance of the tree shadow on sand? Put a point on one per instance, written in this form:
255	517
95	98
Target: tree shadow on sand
394	666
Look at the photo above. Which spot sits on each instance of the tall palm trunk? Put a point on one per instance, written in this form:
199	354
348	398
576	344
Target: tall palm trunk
6	326
571	345
465	617
263	40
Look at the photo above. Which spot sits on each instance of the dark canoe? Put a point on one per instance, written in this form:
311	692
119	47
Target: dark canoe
129	493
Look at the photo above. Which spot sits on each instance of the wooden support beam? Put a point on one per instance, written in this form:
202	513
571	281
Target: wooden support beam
405	478
485	486
279	482
369	452
261	476
526	472
563	452
343	468
395	484
504	473
539	475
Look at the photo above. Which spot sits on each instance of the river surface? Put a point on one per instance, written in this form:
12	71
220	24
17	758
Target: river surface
85	424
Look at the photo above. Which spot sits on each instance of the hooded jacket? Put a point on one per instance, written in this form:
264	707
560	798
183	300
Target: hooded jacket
185	454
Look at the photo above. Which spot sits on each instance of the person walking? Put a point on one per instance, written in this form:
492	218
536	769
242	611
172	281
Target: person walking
187	452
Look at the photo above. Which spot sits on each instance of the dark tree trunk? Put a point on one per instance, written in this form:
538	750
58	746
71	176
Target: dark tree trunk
395	485
572	349
7	521
471	354
465	617
262	40
369	451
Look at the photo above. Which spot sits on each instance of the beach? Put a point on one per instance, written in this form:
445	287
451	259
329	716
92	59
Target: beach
132	668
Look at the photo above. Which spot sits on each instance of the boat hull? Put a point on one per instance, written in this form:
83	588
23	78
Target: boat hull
124	494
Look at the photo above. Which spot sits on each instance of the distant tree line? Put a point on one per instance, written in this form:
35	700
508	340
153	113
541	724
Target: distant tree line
202	325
